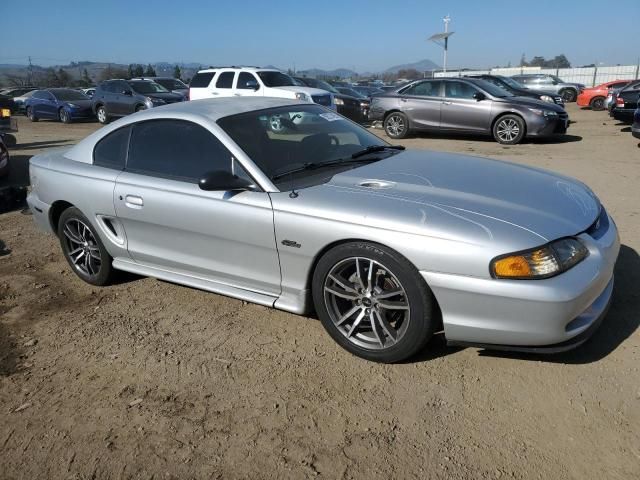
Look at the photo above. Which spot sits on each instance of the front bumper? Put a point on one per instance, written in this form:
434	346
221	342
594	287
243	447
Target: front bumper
624	114
81	113
540	126
530	314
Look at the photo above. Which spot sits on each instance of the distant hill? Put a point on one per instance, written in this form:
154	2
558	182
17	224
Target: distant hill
337	73
421	66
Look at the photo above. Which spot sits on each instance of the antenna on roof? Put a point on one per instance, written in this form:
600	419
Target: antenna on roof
442	39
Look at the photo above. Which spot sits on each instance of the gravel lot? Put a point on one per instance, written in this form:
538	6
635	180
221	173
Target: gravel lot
146	379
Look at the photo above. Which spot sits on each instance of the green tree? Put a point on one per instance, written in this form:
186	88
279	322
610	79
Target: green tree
138	71
150	72
86	79
64	79
130	73
177	73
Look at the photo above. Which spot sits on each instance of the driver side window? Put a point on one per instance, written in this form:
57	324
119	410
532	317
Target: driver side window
459	90
176	150
246	80
424	89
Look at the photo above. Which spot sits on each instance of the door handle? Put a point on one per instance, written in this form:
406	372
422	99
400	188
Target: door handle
133	201
215	93
404	100
446	103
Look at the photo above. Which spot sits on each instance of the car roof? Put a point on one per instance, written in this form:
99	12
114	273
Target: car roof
246	69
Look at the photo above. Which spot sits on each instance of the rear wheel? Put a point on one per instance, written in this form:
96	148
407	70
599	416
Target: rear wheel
509	130
103	116
568	95
64	116
597	103
140	108
396	125
373	302
83	249
31	114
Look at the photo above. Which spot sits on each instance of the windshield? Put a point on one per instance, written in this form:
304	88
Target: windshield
322	85
276	79
511	82
556	79
351	92
171	83
285	138
68	95
144	87
493	90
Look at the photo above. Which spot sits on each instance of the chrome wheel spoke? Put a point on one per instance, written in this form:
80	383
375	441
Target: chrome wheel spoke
384	295
343	283
376	328
387	327
356	322
82	248
347	315
389	305
74	237
345	295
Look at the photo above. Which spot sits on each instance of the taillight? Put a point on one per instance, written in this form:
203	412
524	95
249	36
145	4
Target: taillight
619	102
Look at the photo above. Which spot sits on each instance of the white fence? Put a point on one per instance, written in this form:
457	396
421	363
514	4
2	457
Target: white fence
588	76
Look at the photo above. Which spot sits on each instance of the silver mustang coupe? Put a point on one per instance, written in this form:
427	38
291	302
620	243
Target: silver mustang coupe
290	205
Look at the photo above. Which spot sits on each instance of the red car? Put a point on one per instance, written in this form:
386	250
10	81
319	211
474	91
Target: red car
595	97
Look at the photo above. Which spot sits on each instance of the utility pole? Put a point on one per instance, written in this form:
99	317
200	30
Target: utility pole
30	76
446	21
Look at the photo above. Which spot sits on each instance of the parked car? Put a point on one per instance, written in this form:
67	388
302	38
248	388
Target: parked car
596	97
16	91
466	105
89	91
351	107
550	83
4	158
174	85
20	101
7	103
8	126
117	98
625	102
64	104
388	246
635	128
368	91
519	90
253	82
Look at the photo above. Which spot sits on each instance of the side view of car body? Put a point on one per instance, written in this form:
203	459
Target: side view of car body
174	85
550	83
63	104
388	246
518	90
465	105
346	105
117	98
596	97
624	102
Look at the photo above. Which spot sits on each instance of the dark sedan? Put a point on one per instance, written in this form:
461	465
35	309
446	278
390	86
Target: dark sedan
64	104
625	102
517	89
466	105
4	158
346	105
635	128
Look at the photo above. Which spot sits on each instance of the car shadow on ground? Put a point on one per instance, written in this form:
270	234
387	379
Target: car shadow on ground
621	321
44	144
9	353
625	129
13	188
489	139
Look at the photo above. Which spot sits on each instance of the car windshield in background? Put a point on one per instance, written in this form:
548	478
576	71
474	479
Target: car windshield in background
147	87
351	92
512	83
69	95
298	145
276	79
491	89
556	79
172	84
321	84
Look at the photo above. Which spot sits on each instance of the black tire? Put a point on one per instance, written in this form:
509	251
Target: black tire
568	95
509	129
140	108
597	103
31	115
64	116
413	331
87	243
396	125
102	115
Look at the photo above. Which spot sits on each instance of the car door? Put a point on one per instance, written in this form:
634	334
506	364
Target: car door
461	111
247	85
421	102
123	102
224	82
47	106
171	224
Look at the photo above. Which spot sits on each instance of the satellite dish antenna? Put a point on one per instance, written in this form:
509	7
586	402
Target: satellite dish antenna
442	39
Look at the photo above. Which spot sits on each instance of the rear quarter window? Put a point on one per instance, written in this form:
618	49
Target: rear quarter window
111	151
202	80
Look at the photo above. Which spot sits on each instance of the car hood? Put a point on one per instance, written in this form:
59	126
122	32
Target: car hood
308	90
166	96
533	102
548	205
80	103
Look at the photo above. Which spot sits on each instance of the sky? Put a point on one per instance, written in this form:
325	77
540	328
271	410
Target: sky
363	35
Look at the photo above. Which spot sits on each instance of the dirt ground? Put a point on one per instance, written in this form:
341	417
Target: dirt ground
146	379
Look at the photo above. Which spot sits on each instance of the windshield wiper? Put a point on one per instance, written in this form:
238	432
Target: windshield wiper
376	148
330	163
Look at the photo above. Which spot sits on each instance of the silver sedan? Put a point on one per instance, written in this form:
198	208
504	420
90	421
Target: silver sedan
289	205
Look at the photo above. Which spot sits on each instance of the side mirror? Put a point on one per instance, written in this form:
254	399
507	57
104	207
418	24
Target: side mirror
222	180
128	93
253	85
479	96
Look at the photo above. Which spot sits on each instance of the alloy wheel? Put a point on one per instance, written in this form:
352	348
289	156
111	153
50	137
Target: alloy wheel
367	303
82	248
64	116
102	115
395	125
508	130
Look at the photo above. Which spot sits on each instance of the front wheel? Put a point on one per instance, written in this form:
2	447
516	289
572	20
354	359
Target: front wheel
396	125
64	116
83	249
103	116
597	103
31	115
509	130
568	95
373	302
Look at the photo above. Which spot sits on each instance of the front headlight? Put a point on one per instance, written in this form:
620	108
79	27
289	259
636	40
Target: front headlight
544	262
303	96
543	113
338	101
547	98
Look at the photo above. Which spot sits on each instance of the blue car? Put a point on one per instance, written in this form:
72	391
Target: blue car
635	128
62	104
